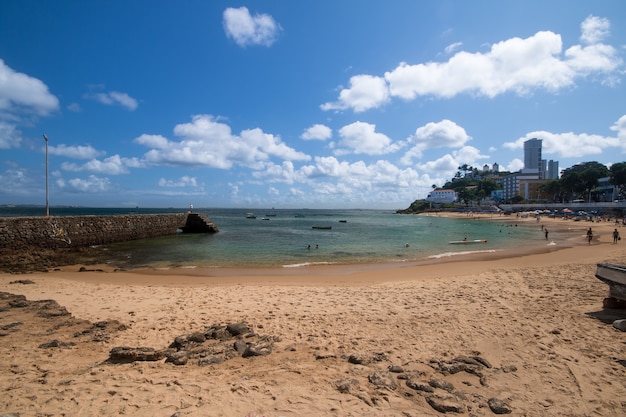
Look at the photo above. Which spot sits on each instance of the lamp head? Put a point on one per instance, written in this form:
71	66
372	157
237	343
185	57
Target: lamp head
45	137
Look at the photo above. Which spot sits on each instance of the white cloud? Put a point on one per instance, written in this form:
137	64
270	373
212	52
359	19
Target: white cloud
115	97
575	145
448	164
443	134
365	92
15	182
245	29
567	145
594	29
91	185
10	137
209	143
113	165
152	141
76	152
515	65
620	128
184	181
453	47
515	165
362	138
317	132
22	93
445	166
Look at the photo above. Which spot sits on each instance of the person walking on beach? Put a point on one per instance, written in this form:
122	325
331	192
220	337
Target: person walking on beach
589	236
545	231
615	236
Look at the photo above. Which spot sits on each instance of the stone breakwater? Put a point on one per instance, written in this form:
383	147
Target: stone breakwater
82	231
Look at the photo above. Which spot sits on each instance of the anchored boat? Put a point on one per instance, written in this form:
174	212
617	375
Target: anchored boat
460	242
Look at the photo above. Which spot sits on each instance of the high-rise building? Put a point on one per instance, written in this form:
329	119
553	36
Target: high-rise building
553	170
532	154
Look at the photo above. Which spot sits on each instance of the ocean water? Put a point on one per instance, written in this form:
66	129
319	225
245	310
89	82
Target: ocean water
287	238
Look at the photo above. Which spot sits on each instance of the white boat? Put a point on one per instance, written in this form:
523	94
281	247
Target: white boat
615	277
465	241
250	216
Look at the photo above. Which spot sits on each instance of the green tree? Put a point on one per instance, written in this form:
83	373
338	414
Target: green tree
618	176
552	189
580	179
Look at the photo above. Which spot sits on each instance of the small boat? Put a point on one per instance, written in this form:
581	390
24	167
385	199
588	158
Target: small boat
250	216
299	215
323	227
615	277
265	218
343	221
460	242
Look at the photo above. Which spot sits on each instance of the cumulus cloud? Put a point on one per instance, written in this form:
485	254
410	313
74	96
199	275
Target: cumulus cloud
515	165
22	93
575	145
620	128
365	92
113	165
443	134
209	143
362	138
184	181
91	184
594	29
245	29
317	132
515	65
75	152
10	137
115	98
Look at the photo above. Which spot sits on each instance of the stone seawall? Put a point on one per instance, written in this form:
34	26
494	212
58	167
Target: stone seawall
83	231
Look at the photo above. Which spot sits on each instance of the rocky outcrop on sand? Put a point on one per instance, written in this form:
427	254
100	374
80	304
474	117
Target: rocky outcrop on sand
212	345
49	324
430	383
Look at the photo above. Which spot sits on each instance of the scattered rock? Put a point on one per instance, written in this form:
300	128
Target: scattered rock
442	384
178	358
210	360
346	385
236	329
130	354
253	349
509	369
419	386
498	406
383	379
55	344
396	369
22	281
445	403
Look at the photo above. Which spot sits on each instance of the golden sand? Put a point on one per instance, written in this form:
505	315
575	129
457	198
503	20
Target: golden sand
537	318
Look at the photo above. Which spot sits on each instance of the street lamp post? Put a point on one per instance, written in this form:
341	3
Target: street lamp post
47	206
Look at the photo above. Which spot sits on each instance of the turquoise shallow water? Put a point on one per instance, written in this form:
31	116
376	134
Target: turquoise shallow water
354	237
288	239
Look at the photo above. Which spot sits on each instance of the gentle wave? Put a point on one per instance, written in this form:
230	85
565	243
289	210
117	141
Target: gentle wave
300	265
469	252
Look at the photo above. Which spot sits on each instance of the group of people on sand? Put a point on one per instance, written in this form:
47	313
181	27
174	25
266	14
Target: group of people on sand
616	236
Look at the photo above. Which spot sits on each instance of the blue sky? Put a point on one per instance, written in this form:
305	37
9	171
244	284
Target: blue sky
294	104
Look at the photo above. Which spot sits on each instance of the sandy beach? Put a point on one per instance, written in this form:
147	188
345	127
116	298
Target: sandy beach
521	333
